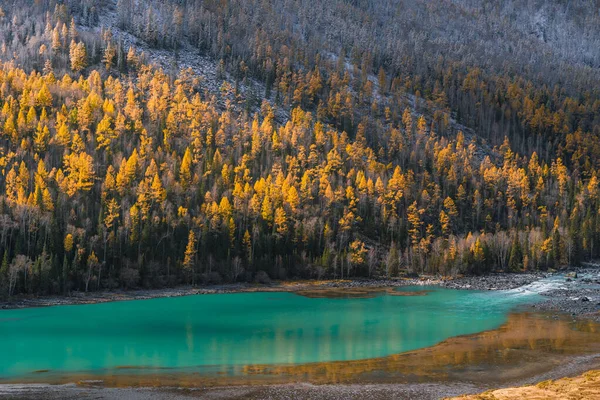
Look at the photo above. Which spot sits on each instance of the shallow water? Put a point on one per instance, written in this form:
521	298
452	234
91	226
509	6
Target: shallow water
228	330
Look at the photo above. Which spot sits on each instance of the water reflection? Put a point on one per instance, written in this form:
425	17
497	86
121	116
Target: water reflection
527	345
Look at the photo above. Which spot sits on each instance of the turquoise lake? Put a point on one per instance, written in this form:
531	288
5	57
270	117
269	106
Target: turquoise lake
241	329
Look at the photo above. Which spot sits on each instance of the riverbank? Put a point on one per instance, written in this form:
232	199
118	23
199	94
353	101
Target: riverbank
576	291
549	386
288	391
350	288
584	386
551	345
499	281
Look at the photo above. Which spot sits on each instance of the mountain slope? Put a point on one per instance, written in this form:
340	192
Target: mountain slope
205	143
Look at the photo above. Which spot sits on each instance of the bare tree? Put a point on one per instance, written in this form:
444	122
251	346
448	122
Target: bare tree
237	268
502	243
20	264
372	260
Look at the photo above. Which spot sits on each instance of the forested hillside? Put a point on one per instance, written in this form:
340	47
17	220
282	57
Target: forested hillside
335	139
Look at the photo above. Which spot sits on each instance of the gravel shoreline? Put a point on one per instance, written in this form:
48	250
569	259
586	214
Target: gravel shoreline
500	281
578	294
297	391
490	282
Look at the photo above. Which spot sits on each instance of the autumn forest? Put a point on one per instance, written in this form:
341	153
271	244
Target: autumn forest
122	170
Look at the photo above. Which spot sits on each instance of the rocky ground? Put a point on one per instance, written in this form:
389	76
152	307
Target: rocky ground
578	294
500	281
585	386
575	291
288	391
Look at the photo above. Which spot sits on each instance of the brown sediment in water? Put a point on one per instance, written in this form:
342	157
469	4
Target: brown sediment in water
528	347
585	386
355	293
337	287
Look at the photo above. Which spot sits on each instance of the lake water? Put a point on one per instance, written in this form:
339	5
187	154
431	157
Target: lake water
225	330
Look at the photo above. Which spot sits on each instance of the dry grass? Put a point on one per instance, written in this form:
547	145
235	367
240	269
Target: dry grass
586	386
